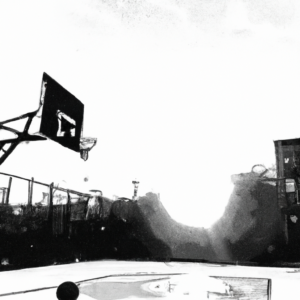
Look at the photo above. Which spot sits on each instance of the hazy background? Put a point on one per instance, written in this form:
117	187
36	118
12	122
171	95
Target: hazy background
180	94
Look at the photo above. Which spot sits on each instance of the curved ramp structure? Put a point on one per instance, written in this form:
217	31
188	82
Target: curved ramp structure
251	222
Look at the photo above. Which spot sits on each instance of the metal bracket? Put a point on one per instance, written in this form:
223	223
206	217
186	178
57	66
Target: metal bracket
23	136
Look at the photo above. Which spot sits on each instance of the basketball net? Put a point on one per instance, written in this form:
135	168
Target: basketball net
86	144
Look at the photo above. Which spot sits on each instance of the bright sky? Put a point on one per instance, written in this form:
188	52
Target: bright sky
181	95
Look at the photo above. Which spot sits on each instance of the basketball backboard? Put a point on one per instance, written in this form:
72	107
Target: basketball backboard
61	114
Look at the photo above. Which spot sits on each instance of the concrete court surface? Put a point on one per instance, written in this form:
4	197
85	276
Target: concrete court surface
194	277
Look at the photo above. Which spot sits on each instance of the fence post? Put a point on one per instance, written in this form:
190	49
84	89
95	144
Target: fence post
3	195
29	188
30	191
68	215
8	190
50	205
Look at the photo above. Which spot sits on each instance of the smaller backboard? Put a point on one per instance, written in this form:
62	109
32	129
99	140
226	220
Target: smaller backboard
61	114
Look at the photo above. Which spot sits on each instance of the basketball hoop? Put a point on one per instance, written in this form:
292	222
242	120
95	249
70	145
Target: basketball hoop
86	144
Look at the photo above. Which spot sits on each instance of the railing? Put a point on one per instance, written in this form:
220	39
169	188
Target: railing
5	200
58	216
